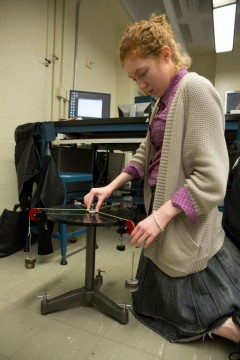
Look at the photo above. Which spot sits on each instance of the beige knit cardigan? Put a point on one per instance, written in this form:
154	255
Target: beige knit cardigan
194	154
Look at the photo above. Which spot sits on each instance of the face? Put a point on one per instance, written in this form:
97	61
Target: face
152	74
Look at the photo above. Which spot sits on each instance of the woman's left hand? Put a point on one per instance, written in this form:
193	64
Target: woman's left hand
145	232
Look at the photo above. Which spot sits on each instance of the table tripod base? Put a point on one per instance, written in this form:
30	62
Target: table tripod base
89	294
85	297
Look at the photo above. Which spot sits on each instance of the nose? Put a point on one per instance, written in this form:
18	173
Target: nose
142	84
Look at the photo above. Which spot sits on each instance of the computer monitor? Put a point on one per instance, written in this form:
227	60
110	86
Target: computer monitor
87	104
135	110
232	102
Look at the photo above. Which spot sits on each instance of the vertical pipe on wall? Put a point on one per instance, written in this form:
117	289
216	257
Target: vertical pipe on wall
47	56
62	44
62	100
47	29
54	52
76	45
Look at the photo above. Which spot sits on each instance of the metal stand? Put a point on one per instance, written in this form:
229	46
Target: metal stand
89	294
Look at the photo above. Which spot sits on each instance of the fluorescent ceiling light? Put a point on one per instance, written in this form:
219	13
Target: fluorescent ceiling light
224	22
217	3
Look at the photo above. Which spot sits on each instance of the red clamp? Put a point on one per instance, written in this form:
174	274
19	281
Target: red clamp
33	214
129	224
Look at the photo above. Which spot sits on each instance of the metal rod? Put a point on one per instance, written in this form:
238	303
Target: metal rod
133	254
29	238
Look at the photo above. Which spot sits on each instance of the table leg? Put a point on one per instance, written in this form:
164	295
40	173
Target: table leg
90	258
109	307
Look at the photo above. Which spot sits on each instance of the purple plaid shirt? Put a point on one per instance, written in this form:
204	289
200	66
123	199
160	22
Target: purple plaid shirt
181	197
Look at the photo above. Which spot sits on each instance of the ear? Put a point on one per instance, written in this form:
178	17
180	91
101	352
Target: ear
166	52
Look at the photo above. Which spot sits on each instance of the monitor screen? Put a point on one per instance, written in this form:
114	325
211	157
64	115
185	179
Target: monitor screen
86	104
135	110
232	102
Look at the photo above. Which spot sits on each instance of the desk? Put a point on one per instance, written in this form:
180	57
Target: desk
114	133
104	128
116	128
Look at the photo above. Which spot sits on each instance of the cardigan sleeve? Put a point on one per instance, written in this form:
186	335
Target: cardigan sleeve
134	170
205	156
182	200
140	156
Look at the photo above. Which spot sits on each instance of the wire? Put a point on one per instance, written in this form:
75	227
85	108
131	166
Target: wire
59	210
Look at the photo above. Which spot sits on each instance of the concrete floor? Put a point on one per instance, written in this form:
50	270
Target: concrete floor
81	333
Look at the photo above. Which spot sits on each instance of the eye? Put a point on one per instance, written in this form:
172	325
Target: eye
143	73
140	75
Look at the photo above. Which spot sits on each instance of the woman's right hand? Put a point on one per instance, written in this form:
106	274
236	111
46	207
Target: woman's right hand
101	194
104	192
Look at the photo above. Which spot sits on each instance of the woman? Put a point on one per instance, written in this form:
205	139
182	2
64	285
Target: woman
188	283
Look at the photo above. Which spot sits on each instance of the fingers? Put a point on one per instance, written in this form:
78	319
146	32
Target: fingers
142	239
144	233
138	236
148	242
138	239
98	205
88	199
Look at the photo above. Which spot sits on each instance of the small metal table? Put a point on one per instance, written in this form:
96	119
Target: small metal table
89	294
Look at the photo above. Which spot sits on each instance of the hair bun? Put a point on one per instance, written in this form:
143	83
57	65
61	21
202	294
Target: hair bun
158	19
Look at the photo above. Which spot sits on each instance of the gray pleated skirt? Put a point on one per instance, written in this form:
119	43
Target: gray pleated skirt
187	308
